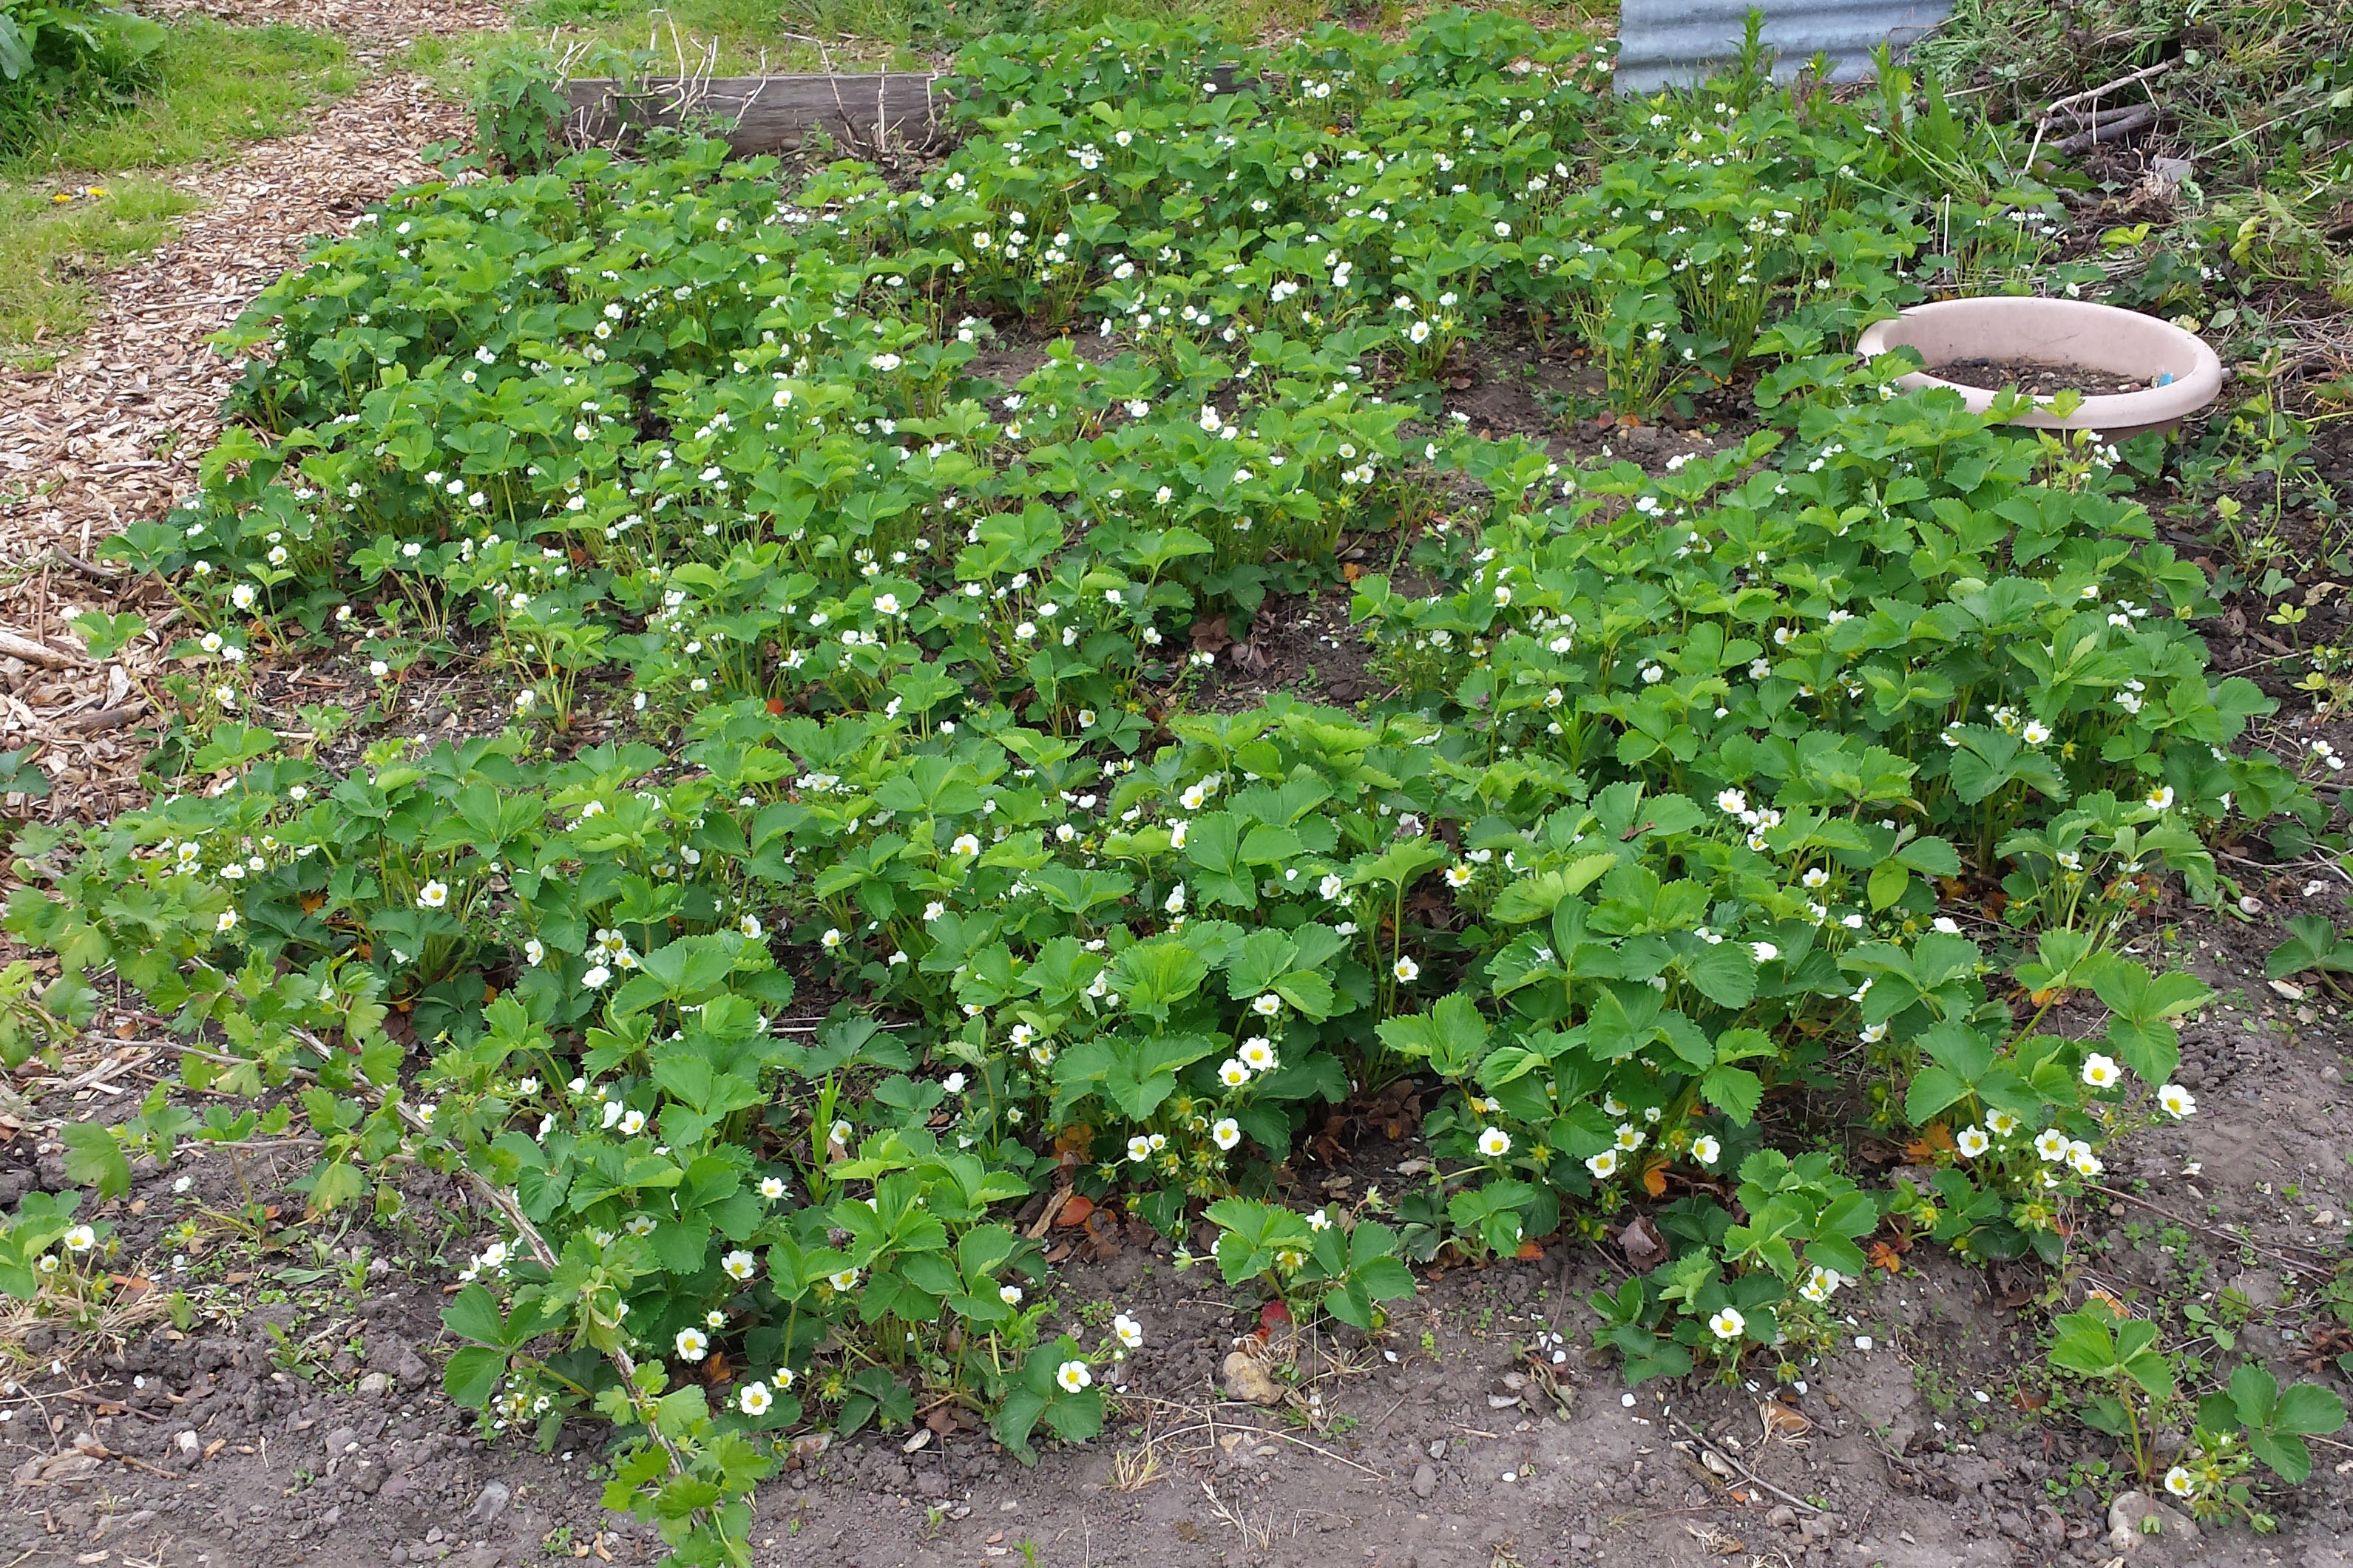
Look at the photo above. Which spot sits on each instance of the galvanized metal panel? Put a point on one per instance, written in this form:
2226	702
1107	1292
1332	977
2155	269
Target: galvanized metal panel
1663	42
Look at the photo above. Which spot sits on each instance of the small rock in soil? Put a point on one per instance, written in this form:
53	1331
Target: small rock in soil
58	1469
1248	1381
2130	1532
490	1502
1425	1480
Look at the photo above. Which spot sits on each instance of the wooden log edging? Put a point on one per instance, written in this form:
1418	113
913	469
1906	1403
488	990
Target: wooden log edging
763	114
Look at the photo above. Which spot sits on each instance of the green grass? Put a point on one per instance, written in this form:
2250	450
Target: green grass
2260	92
49	252
211	88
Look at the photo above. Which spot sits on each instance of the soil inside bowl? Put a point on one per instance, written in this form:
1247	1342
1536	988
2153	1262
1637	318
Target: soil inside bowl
2039	379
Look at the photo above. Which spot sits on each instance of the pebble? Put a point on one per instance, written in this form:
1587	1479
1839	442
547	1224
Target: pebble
2129	1535
375	1385
1425	1480
1247	1380
490	1502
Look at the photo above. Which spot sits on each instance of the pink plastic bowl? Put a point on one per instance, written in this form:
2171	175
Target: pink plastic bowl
2060	332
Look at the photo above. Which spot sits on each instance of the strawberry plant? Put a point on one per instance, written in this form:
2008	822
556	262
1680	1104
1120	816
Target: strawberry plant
825	664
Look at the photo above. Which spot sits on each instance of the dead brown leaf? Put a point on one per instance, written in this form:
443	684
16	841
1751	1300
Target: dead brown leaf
1645	1248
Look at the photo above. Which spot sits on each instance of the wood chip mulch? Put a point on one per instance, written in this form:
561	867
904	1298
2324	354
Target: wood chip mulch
367	25
115	432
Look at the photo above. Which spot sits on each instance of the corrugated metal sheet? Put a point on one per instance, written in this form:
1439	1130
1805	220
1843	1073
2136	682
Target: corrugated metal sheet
1671	41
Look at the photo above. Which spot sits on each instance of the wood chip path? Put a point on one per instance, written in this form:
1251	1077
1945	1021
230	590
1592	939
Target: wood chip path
115	433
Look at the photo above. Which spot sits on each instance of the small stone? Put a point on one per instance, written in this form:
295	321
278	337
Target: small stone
2261	1286
490	1502
1247	1380
1425	1480
1580	1543
2147	1531
375	1385
65	1470
1781	1516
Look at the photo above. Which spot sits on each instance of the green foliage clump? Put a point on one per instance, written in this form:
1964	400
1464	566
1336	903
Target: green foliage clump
54	55
1668	805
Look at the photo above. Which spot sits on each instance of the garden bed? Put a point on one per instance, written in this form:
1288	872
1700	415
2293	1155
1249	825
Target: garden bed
1460	825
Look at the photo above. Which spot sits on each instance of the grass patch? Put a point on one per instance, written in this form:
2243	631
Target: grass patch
49	251
214	89
2260	97
210	89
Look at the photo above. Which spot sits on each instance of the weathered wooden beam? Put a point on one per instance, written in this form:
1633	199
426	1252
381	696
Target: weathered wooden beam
763	114
772	113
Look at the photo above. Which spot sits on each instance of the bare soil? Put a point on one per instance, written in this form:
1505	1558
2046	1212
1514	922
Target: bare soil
2037	378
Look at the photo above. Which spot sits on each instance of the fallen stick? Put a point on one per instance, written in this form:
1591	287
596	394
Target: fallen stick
17	644
91	569
102	718
2043	120
2114	129
2144	74
2086	120
1745	1473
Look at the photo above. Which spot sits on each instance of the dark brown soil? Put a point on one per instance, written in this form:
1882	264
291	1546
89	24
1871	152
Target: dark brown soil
1303	644
2038	379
